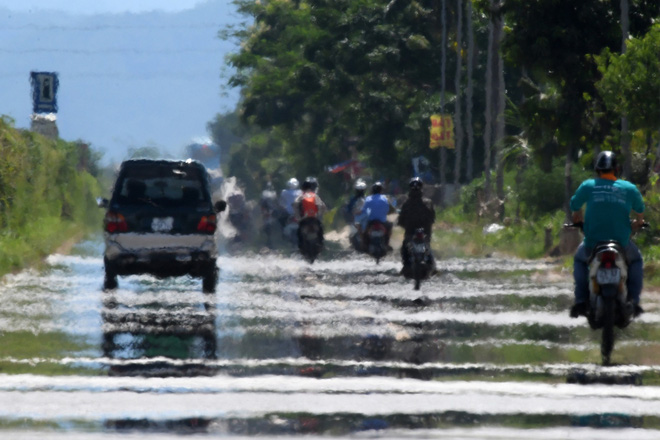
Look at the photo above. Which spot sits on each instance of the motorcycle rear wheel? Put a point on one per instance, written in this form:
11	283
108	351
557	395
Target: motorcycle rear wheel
607	338
418	270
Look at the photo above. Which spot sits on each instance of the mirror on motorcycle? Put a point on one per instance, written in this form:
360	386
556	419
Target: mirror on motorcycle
102	202
576	225
220	206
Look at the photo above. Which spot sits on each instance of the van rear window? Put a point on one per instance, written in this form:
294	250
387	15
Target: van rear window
164	186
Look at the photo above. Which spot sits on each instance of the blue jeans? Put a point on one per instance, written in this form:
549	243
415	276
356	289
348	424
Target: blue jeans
634	282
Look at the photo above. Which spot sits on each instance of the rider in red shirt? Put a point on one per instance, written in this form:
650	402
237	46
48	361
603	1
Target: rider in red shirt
309	207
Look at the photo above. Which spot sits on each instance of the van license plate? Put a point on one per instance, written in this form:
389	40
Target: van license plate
608	276
162	224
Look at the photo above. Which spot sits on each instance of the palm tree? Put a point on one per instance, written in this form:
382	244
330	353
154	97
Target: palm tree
443	68
625	135
469	171
457	86
495	95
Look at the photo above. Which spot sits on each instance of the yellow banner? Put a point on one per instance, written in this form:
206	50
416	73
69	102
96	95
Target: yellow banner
442	131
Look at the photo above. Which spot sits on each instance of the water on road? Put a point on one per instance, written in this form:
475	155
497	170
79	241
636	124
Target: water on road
343	347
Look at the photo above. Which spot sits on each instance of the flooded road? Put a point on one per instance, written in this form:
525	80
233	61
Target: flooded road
343	347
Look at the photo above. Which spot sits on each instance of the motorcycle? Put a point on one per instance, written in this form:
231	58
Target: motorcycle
290	230
376	240
310	238
420	261
608	306
239	216
355	239
269	215
269	225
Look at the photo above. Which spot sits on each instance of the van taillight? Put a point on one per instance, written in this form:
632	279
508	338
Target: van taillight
608	259
207	224
115	222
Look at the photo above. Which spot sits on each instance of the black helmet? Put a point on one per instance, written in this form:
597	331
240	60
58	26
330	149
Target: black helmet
310	183
605	161
377	188
416	184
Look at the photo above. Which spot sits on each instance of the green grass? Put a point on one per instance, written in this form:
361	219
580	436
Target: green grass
46	195
458	234
24	344
46	349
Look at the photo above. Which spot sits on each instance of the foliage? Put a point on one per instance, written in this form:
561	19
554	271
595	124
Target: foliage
46	195
630	84
459	235
255	155
335	80
551	40
541	192
324	81
146	152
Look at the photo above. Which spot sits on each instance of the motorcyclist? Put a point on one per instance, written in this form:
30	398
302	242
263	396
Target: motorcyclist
288	196
268	199
609	203
352	214
354	205
375	208
239	215
309	207
416	212
269	210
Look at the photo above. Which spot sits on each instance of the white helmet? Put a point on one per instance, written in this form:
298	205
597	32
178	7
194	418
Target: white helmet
360	185
292	183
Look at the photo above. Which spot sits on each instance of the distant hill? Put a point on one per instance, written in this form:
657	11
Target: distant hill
126	80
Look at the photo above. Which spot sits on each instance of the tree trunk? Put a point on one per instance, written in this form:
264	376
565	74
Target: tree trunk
657	151
489	111
499	118
648	166
469	174
443	68
569	238
568	182
457	86
625	131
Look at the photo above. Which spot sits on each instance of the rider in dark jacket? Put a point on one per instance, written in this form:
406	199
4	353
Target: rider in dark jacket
416	212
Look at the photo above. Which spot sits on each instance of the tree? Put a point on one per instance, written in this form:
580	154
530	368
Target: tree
495	105
458	124
469	94
552	41
630	84
625	138
322	72
146	152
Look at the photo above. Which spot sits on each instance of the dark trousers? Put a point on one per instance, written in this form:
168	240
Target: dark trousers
635	280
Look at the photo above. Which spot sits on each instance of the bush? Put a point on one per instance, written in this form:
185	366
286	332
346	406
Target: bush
542	193
46	197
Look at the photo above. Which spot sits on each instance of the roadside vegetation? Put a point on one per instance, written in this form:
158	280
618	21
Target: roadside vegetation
48	193
535	88
533	230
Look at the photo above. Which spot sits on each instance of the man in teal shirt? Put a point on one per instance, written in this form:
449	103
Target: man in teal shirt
609	204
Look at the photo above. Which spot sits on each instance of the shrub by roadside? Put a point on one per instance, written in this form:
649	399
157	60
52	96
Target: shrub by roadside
47	195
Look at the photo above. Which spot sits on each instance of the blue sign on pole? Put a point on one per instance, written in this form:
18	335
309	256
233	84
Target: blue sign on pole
44	92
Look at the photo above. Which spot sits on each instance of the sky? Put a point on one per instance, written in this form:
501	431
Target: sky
91	7
130	75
